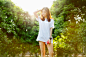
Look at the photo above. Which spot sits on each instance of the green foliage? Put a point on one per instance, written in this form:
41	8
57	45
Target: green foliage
70	23
16	29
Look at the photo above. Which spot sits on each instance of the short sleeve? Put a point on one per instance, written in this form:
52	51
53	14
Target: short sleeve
52	23
38	18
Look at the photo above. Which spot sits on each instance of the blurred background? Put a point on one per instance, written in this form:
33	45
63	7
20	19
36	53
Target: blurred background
19	28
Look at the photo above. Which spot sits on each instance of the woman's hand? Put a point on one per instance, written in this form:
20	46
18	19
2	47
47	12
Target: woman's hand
35	13
49	41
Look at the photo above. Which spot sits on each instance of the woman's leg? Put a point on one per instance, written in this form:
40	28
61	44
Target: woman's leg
50	49
42	48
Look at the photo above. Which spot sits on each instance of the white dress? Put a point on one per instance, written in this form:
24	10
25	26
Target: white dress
44	30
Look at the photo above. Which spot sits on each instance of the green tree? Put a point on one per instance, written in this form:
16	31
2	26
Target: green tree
17	30
70	21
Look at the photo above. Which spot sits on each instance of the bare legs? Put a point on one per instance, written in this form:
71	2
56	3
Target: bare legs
49	46
50	49
42	47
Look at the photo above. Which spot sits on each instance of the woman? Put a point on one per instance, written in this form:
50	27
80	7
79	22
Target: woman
46	24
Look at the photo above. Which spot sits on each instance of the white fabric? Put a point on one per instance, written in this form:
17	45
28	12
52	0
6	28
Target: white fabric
44	29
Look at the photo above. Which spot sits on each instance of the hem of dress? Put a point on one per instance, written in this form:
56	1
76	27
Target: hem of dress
43	41
40	40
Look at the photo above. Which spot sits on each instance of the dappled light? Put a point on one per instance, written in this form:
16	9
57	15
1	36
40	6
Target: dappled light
19	28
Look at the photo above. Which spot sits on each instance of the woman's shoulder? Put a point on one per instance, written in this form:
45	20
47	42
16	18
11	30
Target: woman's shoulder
52	19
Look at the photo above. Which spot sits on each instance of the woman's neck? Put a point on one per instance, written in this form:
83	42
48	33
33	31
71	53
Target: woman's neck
46	17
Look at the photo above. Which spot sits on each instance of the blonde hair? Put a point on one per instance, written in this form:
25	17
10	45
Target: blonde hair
48	14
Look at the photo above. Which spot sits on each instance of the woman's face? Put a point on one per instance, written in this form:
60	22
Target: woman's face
44	13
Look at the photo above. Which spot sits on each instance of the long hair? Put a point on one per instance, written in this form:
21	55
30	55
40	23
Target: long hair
48	14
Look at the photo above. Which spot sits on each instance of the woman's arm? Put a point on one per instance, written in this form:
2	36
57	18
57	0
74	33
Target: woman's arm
35	13
51	32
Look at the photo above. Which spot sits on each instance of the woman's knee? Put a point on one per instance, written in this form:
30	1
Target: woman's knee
51	53
42	53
